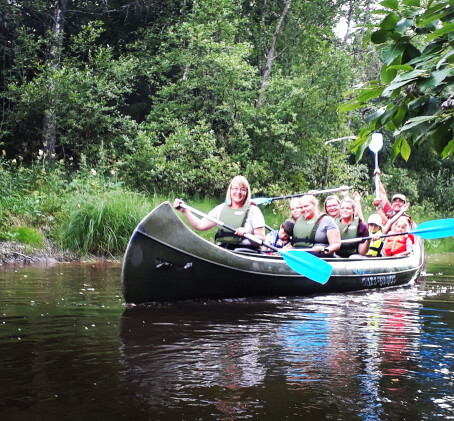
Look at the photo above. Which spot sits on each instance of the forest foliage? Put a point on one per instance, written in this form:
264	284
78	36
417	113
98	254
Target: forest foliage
179	96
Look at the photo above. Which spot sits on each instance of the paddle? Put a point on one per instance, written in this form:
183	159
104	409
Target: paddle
439	228
375	145
261	200
304	263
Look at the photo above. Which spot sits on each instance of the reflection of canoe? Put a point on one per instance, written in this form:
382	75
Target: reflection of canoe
165	261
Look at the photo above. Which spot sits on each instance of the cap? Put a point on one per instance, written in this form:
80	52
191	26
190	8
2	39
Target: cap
400	196
375	219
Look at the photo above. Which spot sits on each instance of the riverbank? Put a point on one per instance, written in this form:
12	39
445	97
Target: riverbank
15	252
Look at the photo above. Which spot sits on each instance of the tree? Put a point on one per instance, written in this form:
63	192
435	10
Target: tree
271	54
414	97
56	45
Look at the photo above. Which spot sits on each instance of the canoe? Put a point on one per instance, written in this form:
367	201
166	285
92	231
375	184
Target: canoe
167	261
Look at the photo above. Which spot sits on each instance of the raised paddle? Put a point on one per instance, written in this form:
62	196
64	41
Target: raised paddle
261	200
429	230
375	145
304	263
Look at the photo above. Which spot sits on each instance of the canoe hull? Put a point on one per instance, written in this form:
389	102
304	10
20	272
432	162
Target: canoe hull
167	261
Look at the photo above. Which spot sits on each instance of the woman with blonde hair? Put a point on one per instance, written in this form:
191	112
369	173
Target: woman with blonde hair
315	230
237	212
351	226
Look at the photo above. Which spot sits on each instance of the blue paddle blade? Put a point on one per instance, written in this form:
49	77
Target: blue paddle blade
439	228
308	265
261	200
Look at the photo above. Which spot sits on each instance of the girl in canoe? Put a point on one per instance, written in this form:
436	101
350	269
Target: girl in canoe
398	245
237	212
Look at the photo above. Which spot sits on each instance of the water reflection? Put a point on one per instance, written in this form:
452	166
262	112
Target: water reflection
70	350
353	354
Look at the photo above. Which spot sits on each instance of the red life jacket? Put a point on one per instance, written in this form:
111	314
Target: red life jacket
395	245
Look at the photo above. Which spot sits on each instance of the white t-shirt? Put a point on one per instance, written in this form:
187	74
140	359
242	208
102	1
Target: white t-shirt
254	219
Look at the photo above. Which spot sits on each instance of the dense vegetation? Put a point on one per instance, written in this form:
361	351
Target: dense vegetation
109	107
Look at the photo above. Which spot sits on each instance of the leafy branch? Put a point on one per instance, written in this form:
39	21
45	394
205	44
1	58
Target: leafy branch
414	98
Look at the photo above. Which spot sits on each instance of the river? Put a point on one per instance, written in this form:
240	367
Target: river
70	349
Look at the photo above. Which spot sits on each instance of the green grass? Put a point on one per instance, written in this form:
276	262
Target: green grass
103	223
25	235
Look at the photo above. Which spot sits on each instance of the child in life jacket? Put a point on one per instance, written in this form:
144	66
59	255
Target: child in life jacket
398	245
374	223
280	238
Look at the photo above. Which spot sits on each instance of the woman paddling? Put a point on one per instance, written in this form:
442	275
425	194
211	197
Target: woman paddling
351	227
315	230
238	212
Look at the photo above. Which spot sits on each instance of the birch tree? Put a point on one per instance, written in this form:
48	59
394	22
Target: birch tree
56	45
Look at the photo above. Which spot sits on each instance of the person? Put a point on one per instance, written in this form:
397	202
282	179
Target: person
374	223
350	226
332	206
382	205
237	212
280	238
398	245
390	222
295	208
315	230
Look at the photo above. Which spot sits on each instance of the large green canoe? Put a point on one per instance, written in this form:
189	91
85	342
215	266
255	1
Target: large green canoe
165	261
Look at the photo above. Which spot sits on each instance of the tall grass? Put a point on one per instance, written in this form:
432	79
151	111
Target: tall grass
103	223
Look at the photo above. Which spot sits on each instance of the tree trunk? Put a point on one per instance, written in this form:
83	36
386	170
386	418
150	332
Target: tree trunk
50	120
271	55
349	21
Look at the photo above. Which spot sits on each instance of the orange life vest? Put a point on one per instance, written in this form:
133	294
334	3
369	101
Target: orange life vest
395	245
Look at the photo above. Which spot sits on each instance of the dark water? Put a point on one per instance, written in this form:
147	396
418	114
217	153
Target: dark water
69	349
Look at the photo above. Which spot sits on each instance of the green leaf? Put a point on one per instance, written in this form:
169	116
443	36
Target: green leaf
384	119
404	67
405	149
395	150
390	21
446	58
415	121
448	150
436	78
431	15
442	31
399	116
414	3
410	53
441	135
392	52
387	74
374	116
380	36
390	4
396	85
358	102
